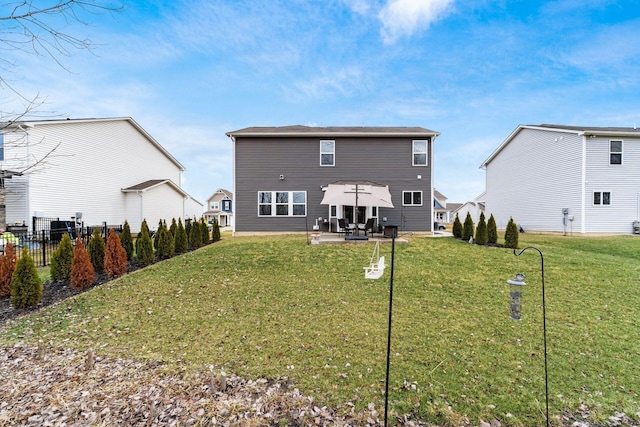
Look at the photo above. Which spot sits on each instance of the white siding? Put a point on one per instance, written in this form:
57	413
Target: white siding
534	176
622	181
89	164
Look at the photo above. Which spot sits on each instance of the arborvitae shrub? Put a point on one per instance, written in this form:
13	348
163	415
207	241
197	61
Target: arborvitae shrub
481	231
457	228
195	236
26	285
467	229
126	240
115	256
155	238
204	229
96	250
61	259
492	231
181	239
144	246
7	267
215	230
188	223
173	228
166	244
511	235
82	271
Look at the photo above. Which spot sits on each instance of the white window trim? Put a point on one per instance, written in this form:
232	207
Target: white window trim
601	198
332	152
621	152
290	204
215	205
413	191
413	152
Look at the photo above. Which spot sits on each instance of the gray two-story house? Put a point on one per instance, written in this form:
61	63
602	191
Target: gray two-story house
281	175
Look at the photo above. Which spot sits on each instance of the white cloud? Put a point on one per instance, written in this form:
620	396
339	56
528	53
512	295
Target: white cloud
404	17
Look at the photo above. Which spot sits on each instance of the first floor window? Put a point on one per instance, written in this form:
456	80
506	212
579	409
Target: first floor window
282	203
601	198
412	198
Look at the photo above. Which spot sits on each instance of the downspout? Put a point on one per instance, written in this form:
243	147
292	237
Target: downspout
27	213
583	198
139	193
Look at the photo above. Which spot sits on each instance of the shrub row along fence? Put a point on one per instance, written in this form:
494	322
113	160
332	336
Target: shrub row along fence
46	234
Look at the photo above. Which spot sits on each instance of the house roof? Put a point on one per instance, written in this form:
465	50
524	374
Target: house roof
298	130
152	183
33	123
438	195
578	130
221	191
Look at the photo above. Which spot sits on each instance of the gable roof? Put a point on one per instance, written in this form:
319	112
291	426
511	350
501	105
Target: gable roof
222	191
152	183
298	130
33	123
578	130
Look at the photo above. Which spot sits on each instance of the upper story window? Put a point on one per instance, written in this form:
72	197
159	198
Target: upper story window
602	198
412	198
327	153
1	146
420	153
615	152
282	203
215	205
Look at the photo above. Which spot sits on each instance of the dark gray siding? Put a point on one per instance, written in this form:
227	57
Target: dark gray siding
260	161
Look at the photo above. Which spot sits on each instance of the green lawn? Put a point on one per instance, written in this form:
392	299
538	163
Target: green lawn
275	306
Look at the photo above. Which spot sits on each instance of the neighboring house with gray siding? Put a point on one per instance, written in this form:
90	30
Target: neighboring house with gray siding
281	173
568	179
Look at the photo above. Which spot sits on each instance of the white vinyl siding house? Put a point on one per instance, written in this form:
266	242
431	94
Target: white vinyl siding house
539	171
84	166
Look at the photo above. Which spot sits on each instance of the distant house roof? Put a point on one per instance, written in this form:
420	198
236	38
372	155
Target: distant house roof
438	195
579	130
298	130
221	191
454	206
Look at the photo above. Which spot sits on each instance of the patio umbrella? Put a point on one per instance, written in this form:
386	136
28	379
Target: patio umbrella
357	194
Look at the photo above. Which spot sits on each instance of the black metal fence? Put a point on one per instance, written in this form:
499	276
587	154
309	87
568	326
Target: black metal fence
45	236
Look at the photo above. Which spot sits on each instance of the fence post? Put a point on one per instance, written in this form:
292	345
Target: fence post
43	244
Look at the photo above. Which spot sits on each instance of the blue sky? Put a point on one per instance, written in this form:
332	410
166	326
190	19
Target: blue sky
189	71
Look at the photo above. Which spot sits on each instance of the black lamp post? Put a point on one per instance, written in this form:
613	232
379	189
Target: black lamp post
516	314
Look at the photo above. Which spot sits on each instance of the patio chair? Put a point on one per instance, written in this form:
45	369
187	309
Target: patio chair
367	226
343	226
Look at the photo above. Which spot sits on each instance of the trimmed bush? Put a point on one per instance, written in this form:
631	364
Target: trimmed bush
82	271
511	235
155	238
26	285
95	248
467	229
492	231
126	240
174	227
481	231
61	259
166	243
144	246
457	228
195	235
215	232
181	239
204	229
7	267
115	257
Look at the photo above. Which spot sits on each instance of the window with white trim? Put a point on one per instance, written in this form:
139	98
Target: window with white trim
412	198
419	153
282	203
215	205
615	152
602	198
327	153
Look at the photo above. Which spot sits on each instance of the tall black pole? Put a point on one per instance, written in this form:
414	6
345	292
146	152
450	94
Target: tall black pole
386	382
544	328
